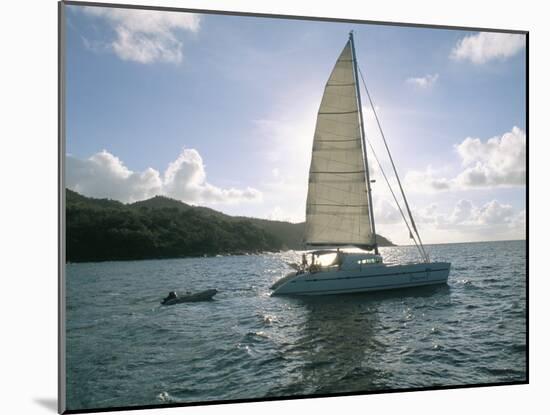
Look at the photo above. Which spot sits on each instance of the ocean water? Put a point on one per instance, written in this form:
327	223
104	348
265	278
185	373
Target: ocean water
124	349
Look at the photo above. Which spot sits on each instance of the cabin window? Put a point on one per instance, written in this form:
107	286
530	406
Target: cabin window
368	261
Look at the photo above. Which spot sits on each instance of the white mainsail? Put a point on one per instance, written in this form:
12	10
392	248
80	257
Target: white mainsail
337	207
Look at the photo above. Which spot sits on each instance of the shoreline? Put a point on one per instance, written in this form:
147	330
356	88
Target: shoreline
265	253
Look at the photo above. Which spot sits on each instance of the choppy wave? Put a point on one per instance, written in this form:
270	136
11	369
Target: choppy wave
123	349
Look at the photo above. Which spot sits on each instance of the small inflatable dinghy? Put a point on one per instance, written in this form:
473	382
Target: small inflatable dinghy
175	298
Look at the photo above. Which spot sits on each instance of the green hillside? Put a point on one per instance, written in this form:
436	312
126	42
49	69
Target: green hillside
160	227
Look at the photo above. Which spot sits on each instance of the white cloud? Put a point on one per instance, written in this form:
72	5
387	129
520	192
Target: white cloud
426	181
424	82
386	212
469	222
146	36
485	46
498	162
501	161
277	213
185	179
494	213
487	216
104	175
284	197
466	214
429	211
519	221
462	212
465	221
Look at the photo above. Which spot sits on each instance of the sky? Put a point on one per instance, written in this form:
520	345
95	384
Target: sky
220	111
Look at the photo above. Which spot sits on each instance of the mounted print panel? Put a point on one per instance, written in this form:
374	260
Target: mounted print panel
258	207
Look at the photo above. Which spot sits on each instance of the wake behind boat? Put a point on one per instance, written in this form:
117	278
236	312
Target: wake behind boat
339	211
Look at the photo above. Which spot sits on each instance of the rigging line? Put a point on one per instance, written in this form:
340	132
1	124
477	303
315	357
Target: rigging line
395	198
394	168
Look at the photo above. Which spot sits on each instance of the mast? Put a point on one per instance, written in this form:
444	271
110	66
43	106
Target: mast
361	128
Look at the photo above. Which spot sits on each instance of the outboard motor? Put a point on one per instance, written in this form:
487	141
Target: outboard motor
171	295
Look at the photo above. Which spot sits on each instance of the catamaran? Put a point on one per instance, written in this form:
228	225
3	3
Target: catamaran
339	210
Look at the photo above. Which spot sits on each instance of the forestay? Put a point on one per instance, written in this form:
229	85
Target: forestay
337	211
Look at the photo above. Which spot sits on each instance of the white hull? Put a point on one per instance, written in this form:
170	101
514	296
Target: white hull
369	278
